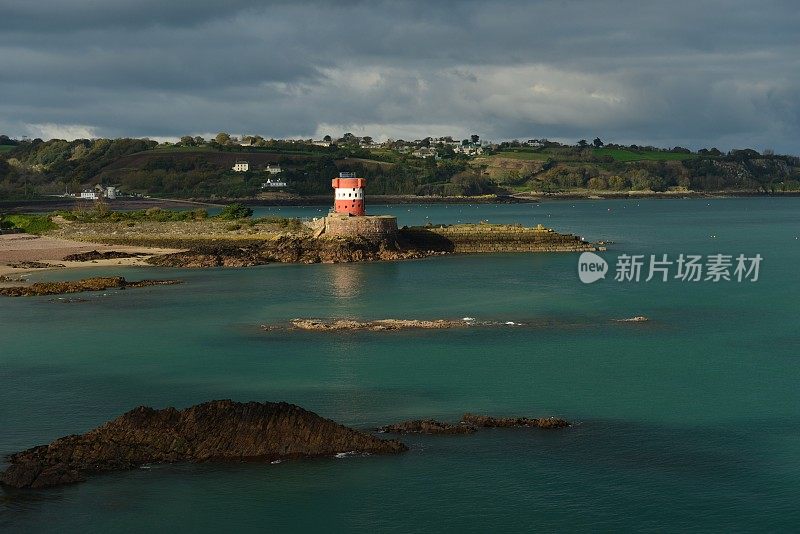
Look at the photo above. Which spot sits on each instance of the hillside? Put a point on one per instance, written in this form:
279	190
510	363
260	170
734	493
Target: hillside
142	167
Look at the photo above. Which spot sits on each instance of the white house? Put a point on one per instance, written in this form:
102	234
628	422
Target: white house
111	192
241	166
424	153
89	194
273	169
321	143
273	182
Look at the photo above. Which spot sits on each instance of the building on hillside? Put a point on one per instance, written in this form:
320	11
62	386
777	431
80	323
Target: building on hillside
425	153
89	194
273	169
241	166
273	183
321	143
110	192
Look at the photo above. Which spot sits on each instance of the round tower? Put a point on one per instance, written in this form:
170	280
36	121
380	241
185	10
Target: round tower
349	194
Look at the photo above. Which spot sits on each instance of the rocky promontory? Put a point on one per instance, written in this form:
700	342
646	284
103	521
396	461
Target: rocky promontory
220	430
78	286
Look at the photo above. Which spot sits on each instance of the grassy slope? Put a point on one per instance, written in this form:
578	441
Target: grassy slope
630	155
6	148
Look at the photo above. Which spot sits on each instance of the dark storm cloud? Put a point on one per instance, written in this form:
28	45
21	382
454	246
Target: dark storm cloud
690	73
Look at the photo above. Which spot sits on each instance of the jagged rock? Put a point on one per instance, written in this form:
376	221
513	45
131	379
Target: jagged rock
427	426
485	421
77	286
220	430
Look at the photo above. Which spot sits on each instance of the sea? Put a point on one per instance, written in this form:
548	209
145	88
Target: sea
689	421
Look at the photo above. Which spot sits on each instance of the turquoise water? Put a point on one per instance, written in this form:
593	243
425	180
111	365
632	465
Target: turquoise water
690	421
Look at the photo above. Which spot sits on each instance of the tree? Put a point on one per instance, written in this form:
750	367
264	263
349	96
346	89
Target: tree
582	143
367	140
199	140
474	138
597	142
187	140
222	138
327	139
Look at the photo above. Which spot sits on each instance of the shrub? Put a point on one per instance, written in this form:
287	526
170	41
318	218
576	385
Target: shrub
235	211
30	224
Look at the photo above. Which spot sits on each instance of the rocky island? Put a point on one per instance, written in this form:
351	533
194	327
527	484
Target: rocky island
220	430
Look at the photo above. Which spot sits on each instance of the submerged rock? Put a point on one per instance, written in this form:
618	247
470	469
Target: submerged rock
381	324
427	426
636	319
485	421
220	430
470	423
77	286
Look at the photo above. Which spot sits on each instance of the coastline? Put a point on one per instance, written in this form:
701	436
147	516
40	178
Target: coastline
53	204
21	248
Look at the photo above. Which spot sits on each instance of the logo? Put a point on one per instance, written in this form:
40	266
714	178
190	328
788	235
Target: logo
591	267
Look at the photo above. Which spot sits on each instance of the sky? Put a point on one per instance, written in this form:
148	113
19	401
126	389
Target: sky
680	73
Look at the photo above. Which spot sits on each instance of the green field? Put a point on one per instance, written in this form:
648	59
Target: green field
631	155
6	148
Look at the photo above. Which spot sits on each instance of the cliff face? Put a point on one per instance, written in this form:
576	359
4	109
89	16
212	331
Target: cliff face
213	431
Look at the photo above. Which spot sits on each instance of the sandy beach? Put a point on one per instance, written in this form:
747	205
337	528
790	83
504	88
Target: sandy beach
18	248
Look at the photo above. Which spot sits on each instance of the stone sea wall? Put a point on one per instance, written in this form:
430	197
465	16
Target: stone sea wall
373	228
488	238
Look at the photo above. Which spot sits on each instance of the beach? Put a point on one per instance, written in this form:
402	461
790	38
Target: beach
16	249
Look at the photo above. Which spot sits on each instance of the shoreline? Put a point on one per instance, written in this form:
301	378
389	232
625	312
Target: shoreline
54	204
21	248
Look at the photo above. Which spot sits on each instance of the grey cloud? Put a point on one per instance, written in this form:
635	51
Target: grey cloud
699	74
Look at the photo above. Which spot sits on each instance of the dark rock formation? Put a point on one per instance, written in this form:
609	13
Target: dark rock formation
34	265
485	421
213	431
378	325
427	426
286	249
470	423
77	286
96	255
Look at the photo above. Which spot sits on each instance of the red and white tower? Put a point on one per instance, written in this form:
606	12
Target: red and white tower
349	194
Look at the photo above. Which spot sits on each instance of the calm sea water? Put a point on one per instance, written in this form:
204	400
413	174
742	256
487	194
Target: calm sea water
690	421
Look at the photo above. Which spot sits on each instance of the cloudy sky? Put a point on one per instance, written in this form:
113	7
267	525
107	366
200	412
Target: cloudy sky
692	73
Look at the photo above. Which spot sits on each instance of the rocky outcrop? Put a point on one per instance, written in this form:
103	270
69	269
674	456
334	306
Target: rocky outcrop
287	249
485	421
375	245
34	265
94	255
470	423
213	431
636	319
77	286
427	426
379	325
